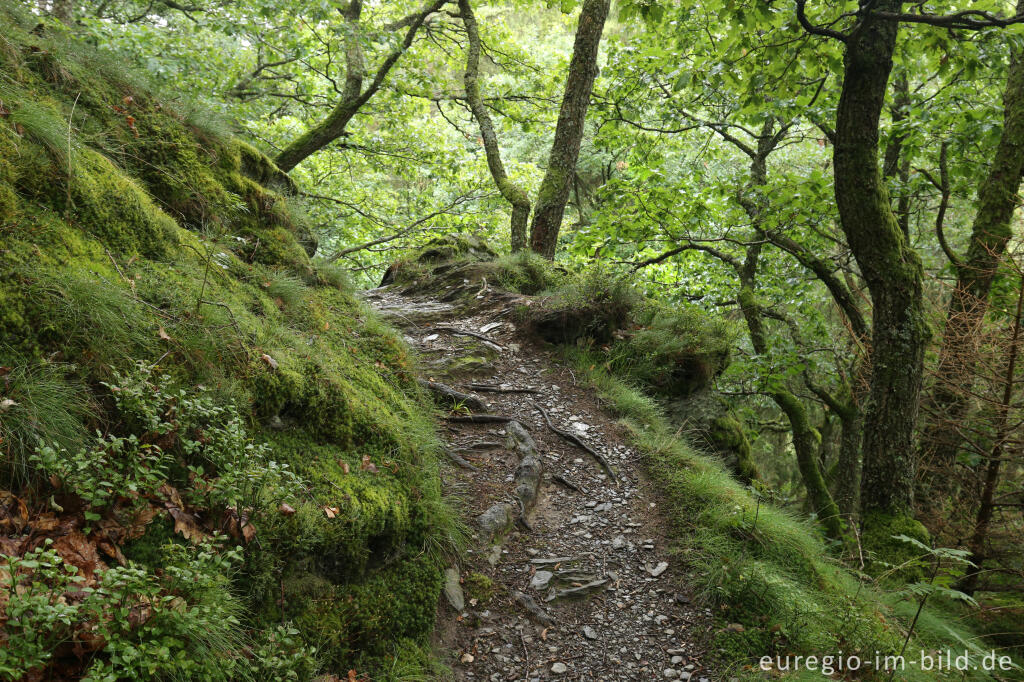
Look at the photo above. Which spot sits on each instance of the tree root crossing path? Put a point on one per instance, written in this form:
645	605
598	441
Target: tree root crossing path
568	573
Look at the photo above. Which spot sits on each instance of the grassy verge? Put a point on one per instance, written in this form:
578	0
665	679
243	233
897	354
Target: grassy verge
768	576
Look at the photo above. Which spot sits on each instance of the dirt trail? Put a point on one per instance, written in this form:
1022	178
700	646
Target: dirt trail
580	587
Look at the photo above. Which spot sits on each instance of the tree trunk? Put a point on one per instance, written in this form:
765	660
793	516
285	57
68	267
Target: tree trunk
513	193
949	403
888	264
565	149
848	465
896	162
353	96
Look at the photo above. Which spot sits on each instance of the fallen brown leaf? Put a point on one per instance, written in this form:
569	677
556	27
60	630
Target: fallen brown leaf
286	509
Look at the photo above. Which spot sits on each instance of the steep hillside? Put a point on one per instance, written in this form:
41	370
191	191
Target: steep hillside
180	379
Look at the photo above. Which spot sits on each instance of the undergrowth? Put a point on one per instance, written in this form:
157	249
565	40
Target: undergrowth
135	230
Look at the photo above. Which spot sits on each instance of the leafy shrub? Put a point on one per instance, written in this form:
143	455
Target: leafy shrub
127	623
176	616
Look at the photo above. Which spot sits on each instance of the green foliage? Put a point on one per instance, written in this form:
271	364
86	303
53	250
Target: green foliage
173	277
44	405
527	273
183	622
895	546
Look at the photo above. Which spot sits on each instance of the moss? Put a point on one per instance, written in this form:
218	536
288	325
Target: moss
676	352
726	436
480	587
361	621
590	307
527	273
886	554
161	256
117	210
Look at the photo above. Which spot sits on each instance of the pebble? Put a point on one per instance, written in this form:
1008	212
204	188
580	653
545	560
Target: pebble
670	674
655	571
541	580
558	668
589	632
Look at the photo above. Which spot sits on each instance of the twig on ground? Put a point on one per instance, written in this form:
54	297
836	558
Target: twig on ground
490	388
463	332
481	419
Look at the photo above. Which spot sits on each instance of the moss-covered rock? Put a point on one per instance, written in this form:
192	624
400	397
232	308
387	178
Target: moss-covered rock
899	561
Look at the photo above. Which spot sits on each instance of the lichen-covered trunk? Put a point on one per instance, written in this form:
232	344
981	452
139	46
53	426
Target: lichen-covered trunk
888	264
512	193
565	149
949	404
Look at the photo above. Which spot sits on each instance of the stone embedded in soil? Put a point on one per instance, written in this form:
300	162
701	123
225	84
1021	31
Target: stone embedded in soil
496	520
453	590
558	668
541	580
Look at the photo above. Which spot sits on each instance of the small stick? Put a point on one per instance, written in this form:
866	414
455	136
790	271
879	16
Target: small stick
558	478
488	388
463	332
443	391
526	655
481	419
455	457
575	440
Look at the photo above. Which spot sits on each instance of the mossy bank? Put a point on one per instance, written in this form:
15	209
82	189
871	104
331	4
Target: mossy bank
133	231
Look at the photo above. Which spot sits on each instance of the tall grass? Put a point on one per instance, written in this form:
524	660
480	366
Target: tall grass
39	403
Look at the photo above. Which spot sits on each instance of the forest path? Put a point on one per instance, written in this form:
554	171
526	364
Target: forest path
582	587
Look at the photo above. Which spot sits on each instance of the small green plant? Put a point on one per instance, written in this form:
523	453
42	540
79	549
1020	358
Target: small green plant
36	612
290	292
527	272
282	655
182	623
112	468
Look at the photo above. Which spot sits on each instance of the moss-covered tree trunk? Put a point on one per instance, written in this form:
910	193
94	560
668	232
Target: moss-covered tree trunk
353	95
565	149
888	264
512	193
806	439
949	404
